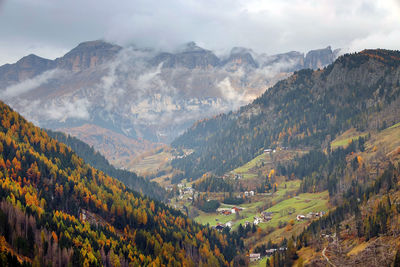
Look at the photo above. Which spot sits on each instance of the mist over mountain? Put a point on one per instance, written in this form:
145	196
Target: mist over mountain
143	94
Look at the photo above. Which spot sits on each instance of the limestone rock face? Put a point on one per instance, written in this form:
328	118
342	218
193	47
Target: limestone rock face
143	94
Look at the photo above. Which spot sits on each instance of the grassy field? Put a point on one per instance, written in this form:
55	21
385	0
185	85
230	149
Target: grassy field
344	139
260	263
250	209
151	163
394	126
246	169
303	204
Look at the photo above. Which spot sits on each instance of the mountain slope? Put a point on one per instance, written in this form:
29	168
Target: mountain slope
98	161
140	93
307	110
54	209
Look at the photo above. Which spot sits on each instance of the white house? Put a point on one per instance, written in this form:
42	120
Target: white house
229	224
255	256
300	217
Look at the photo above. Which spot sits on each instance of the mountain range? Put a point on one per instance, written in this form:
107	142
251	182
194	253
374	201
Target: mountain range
103	93
305	110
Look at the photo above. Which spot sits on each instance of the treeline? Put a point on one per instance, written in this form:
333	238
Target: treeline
380	221
56	210
320	171
213	184
304	110
99	162
371	224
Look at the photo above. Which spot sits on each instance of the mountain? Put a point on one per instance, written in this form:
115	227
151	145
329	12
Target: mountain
305	110
57	210
87	55
98	161
26	68
320	58
117	147
141	93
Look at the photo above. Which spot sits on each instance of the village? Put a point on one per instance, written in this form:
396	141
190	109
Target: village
271	211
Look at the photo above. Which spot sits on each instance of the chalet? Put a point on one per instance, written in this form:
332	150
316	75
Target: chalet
224	211
266	216
246	193
236	209
188	190
255	256
266	213
251	193
257	220
229	224
300	217
227	212
270	252
219	227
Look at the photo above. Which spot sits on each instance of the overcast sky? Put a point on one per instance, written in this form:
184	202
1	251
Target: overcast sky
50	28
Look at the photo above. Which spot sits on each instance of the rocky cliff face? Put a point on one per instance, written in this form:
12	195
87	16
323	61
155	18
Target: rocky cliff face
140	93
87	55
26	68
319	58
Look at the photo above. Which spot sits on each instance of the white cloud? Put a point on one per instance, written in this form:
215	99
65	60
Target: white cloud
29	84
265	25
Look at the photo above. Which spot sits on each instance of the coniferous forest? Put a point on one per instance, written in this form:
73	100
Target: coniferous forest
55	209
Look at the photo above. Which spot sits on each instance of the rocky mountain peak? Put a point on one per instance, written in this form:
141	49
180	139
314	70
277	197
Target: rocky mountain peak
193	47
319	58
25	68
240	56
190	56
88	55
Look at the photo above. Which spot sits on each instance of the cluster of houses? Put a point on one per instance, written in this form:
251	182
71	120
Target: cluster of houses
220	227
269	252
232	175
269	150
229	211
246	194
265	216
310	215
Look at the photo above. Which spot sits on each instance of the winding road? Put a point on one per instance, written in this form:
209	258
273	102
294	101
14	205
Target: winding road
326	258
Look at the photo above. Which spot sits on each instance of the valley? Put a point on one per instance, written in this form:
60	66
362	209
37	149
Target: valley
200	133
291	179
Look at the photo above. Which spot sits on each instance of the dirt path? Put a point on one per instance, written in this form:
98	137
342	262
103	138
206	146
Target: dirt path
326	258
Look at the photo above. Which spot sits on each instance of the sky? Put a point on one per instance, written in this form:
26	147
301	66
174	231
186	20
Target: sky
50	28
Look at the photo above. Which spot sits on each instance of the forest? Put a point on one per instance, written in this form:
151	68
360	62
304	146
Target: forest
306	110
98	161
57	209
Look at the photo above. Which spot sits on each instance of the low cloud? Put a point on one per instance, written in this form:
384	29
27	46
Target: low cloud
266	26
29	84
64	109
